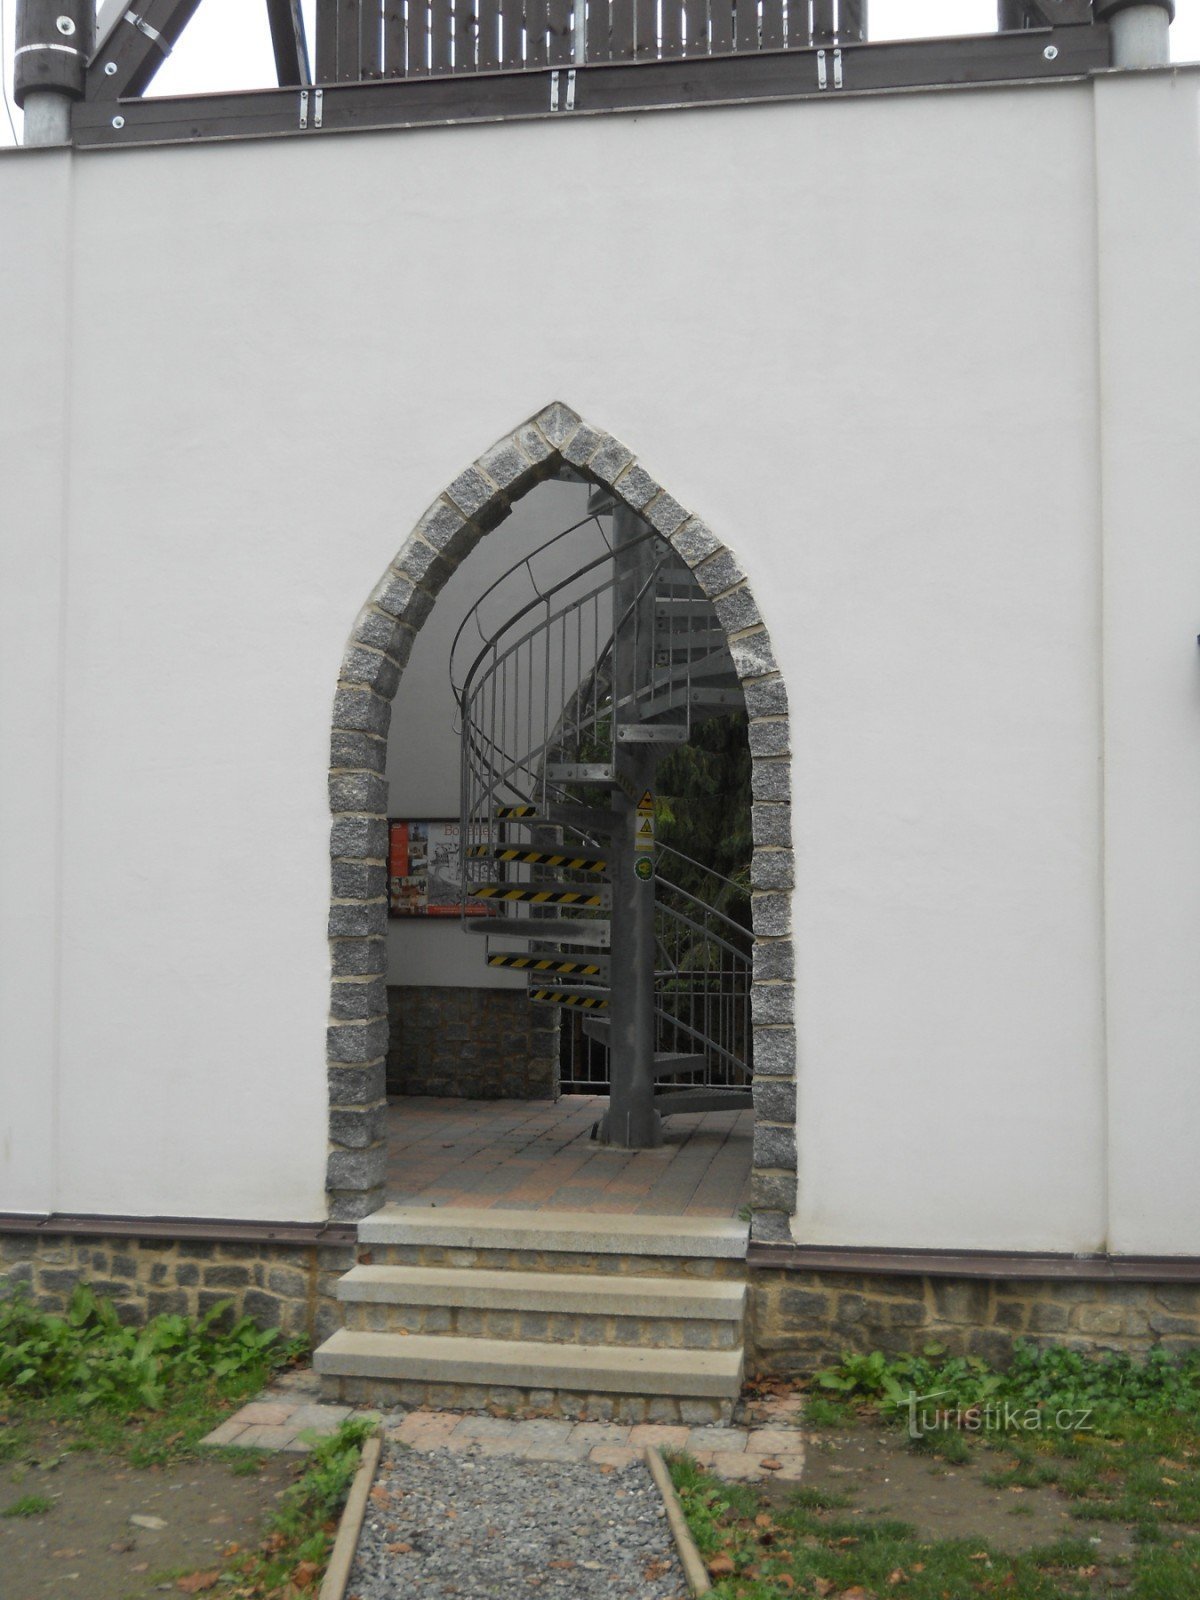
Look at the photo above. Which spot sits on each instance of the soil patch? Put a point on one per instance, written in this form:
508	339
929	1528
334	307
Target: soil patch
87	1547
882	1477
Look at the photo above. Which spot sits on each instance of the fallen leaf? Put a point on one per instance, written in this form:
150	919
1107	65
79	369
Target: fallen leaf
140	1566
198	1581
153	1523
763	1520
305	1573
772	1463
657	1567
399	1548
120	1546
823	1586
784	1580
66	1555
857	1593
720	1566
897	1575
562	1566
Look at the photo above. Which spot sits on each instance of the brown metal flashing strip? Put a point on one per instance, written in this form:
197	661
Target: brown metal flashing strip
1049	55
993	1264
218	1230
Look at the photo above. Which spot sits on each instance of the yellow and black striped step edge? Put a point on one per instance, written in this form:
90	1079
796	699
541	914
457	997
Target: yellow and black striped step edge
505	813
539	858
537	897
582	969
555	997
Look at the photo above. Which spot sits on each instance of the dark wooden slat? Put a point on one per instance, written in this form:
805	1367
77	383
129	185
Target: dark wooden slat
799	33
326	41
824	30
598	48
370	52
558	22
671	22
720	25
393	39
695	27
535	33
512	44
347	42
441	24
852	21
773	35
466	35
620	30
418	38
746	25
489	37
645	37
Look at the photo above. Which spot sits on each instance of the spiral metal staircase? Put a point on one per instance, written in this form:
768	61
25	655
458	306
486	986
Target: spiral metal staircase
566	711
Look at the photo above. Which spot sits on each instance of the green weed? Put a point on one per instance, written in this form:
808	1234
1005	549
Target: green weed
29	1505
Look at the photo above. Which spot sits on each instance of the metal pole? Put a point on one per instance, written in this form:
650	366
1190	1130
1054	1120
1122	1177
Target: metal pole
1141	33
631	1120
53	42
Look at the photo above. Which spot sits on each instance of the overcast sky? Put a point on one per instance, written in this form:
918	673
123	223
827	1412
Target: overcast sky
227	46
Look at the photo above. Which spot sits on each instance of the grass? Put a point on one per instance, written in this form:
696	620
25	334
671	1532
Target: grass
1134	1461
150	1395
29	1505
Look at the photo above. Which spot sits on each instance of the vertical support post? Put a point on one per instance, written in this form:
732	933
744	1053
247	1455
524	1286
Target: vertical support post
631	1120
53	43
1141	31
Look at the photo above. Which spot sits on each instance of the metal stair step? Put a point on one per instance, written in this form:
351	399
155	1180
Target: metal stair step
533	963
524	1364
678	1101
652	733
578	999
597	772
537	858
717	1300
548	930
582	819
542	894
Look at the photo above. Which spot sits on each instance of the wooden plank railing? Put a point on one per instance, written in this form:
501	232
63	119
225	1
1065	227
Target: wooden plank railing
359	40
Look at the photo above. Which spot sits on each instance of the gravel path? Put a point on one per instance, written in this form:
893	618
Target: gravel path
473	1526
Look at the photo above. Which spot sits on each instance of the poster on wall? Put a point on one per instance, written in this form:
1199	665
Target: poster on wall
425	871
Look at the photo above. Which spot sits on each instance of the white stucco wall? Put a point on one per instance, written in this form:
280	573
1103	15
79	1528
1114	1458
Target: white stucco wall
866	340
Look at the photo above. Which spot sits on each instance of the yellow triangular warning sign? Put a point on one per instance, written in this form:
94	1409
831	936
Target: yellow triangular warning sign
646	803
646	827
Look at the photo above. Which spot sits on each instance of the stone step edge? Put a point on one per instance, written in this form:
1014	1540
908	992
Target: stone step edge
568	1232
523	1364
719	1300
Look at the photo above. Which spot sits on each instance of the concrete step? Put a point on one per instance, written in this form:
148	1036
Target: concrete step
589	1233
524	1366
567	1308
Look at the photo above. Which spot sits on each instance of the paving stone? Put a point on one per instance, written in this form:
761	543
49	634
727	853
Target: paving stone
594	1433
727	1439
271	1412
228	1433
267	1437
773	1441
735	1465
662	1435
485	1428
613	1455
319	1418
552	1450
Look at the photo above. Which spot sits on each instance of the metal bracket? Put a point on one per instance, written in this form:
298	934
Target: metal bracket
569	104
304	108
823	69
318	107
142	26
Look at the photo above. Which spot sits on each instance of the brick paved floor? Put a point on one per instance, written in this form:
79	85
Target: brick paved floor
280	1418
531	1155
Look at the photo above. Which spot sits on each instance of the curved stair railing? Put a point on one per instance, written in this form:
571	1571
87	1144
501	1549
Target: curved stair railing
548	743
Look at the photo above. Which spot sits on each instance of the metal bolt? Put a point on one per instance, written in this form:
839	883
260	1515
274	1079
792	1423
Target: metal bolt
1051	52
118	122
65	26
110	69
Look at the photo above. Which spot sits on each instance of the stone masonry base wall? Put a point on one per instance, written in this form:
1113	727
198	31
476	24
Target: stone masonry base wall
801	1321
481	1044
285	1286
